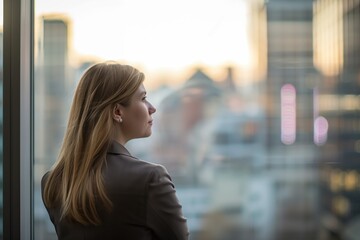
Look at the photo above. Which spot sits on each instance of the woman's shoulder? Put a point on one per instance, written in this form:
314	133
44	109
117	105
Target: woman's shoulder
131	163
119	156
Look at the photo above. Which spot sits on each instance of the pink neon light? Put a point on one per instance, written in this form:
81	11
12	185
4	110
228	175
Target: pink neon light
321	128
288	114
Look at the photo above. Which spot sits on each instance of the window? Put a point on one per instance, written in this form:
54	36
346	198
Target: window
215	71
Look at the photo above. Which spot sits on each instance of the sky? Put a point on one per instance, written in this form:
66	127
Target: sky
157	33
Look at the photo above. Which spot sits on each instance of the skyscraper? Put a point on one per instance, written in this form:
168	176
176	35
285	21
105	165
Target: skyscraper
289	91
338	58
53	94
52	80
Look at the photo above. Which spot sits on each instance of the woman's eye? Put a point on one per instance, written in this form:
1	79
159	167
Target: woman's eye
144	98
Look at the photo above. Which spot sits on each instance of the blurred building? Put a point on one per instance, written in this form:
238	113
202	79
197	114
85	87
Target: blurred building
337	44
231	159
196	204
257	38
289	90
53	89
53	79
181	114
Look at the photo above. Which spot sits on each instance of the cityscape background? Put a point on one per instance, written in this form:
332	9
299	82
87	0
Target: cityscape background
262	143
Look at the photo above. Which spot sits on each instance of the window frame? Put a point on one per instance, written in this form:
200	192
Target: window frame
18	119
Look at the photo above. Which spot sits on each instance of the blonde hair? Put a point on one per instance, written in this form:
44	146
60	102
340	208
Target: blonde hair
75	182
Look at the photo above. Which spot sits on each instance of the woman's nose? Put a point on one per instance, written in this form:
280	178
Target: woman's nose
152	109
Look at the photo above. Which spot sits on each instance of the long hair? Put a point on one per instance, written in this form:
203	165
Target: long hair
75	183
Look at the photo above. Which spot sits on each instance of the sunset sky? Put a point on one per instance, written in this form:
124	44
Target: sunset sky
158	34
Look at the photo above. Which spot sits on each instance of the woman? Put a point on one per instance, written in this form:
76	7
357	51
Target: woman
97	189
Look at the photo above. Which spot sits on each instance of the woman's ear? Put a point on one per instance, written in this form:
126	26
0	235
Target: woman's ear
117	113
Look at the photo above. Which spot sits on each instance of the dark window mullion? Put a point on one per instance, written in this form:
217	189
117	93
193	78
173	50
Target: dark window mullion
17	61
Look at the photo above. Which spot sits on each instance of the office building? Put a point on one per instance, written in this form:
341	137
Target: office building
337	44
291	154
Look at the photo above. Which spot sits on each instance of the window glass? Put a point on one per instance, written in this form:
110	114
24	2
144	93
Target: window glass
258	106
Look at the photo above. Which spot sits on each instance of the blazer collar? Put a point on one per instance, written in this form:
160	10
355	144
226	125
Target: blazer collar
117	148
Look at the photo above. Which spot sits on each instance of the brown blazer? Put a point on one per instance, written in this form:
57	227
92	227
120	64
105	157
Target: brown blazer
145	205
